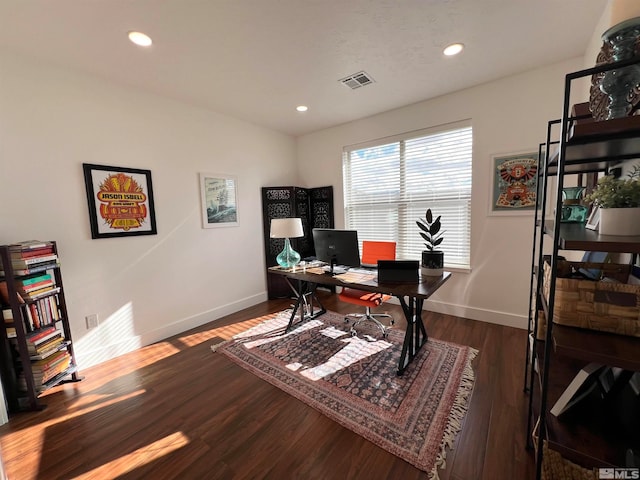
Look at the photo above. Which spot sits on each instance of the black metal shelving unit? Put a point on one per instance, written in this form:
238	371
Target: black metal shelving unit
16	358
554	360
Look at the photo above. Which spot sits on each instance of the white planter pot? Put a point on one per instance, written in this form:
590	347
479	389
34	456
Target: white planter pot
431	272
619	221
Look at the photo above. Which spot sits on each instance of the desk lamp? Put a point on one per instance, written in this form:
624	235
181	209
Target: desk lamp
287	228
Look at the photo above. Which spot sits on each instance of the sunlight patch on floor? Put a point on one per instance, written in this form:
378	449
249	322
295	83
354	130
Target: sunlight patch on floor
225	332
12	442
139	457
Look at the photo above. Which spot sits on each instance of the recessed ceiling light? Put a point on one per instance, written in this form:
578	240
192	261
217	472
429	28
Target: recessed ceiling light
453	49
302	108
140	38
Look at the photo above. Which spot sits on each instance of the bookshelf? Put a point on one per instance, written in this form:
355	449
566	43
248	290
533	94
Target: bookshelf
36	348
593	434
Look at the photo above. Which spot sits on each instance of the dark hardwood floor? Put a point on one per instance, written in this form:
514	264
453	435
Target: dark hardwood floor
175	410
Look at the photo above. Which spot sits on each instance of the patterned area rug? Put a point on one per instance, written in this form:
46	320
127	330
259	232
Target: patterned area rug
353	381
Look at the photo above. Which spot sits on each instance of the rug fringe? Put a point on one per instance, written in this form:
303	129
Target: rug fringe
456	416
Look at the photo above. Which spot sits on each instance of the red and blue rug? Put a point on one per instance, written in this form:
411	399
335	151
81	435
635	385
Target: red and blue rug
353	381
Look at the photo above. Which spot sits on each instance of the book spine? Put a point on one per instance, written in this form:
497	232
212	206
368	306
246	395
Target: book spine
32	280
34	337
36	252
42	365
41	293
28	320
35	286
33	269
55	314
25	262
35	316
46	307
29	245
47	346
42	342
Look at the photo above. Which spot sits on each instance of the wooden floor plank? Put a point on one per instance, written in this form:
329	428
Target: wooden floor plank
175	410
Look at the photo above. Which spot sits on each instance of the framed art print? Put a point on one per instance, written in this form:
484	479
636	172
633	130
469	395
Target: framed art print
514	184
120	201
593	222
219	200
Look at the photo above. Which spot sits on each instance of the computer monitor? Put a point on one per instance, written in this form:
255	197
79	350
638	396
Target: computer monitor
337	247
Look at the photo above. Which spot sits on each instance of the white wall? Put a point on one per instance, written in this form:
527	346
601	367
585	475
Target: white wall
149	287
507	115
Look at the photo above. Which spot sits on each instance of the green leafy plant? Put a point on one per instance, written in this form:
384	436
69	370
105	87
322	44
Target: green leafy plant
611	192
430	230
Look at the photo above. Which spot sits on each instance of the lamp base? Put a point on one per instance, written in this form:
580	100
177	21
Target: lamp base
288	257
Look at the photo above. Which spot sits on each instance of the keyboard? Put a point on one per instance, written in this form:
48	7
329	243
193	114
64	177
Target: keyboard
362	270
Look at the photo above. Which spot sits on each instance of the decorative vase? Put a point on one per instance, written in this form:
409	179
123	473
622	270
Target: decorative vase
572	210
432	263
619	83
288	257
620	221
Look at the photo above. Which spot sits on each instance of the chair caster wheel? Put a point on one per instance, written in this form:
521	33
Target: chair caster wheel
353	333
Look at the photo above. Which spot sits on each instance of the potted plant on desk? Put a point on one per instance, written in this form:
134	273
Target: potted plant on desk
432	260
619	203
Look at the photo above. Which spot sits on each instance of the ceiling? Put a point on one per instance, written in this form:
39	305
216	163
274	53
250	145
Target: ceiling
258	59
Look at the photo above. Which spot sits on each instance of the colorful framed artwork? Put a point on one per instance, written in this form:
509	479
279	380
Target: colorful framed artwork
120	201
219	200
514	185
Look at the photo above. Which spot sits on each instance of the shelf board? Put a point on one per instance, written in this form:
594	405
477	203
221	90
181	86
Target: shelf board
574	236
596	146
600	347
586	437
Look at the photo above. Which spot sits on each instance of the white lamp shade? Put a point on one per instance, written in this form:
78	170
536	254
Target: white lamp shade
286	228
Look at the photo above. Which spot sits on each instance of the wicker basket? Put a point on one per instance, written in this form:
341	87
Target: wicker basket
556	467
596	305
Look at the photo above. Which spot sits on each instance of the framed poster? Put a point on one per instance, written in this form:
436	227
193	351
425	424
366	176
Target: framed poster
593	222
514	184
120	201
219	200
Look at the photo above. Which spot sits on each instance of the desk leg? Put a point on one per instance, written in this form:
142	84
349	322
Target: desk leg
416	334
305	299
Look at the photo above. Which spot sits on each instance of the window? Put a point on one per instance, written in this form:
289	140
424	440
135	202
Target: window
390	183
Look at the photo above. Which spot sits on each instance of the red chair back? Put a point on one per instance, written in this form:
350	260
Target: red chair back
372	251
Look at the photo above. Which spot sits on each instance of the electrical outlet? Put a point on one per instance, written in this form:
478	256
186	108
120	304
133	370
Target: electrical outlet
92	321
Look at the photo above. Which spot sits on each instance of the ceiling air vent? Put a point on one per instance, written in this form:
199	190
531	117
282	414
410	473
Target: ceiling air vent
357	80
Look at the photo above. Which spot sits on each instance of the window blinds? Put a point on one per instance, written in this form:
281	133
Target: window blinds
390	183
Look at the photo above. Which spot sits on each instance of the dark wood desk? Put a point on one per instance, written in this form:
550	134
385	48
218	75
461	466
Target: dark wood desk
410	295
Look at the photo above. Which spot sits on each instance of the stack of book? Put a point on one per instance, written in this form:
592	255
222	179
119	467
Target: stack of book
38	290
31	256
34	286
47	369
44	341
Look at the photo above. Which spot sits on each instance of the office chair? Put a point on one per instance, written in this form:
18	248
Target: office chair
372	251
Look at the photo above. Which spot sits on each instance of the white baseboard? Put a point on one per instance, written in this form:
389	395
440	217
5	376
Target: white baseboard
483	315
194	321
93	349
